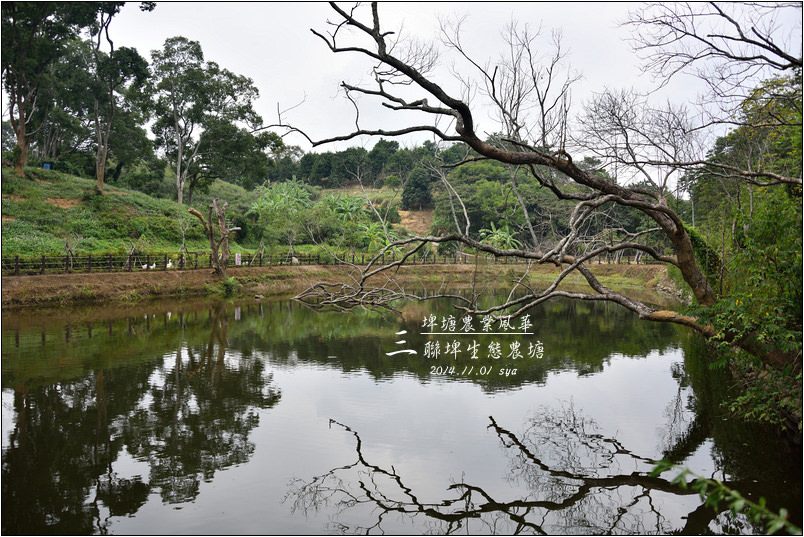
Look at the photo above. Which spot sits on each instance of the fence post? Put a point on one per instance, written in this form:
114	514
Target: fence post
67	264
196	260
110	262
260	258
148	262
89	263
16	265
43	265
129	262
164	264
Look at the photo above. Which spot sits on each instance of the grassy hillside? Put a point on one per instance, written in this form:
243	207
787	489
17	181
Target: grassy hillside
47	209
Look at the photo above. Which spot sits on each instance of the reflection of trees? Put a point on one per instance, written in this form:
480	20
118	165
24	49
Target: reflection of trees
578	336
62	445
686	429
187	417
578	481
200	417
696	415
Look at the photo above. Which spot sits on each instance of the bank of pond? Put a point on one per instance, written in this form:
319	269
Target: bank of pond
269	417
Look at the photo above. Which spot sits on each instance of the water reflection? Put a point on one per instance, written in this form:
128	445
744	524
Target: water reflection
578	481
109	417
187	415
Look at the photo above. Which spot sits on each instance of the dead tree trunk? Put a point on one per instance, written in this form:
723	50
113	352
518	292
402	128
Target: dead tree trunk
219	246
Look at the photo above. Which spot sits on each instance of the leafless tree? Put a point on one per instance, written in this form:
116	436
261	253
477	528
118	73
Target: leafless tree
218	242
531	97
730	48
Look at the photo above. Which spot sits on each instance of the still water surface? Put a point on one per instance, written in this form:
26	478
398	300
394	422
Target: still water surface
269	418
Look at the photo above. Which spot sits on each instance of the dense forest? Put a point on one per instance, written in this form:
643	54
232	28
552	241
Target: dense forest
727	222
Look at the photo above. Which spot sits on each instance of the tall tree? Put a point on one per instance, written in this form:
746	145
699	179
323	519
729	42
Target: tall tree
192	98
112	71
63	111
33	37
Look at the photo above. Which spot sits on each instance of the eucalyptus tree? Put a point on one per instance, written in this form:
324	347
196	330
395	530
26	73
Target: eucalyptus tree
192	98
112	71
633	140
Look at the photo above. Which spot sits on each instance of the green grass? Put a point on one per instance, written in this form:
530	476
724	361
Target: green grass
47	209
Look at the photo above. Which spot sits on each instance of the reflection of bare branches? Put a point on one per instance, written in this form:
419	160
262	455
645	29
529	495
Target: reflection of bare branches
573	474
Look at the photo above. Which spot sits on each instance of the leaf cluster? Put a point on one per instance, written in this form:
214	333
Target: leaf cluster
714	493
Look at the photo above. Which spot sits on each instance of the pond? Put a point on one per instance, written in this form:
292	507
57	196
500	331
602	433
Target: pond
271	418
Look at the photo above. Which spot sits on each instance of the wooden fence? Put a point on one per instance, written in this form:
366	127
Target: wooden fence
140	262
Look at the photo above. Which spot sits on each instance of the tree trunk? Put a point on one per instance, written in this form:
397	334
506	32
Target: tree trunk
179	157
117	171
21	158
219	247
103	141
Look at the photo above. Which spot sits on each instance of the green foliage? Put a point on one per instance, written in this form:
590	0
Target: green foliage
713	492
196	105
764	293
277	211
755	233
769	396
501	238
705	255
34	35
230	287
416	193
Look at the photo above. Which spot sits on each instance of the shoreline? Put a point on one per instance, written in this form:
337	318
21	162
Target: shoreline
128	287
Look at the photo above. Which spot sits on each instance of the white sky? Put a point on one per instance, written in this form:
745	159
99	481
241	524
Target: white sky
272	44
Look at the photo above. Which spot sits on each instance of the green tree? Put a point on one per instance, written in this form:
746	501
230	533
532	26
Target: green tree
755	231
192	99
34	35
232	154
112	72
64	112
379	155
416	192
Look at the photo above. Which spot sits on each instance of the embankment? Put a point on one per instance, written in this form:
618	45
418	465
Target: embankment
645	282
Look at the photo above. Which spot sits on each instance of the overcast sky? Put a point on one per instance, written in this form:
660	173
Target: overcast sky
272	44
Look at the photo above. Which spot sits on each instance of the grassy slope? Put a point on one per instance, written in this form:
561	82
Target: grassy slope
47	208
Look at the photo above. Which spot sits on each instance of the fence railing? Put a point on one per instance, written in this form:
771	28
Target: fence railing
141	262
